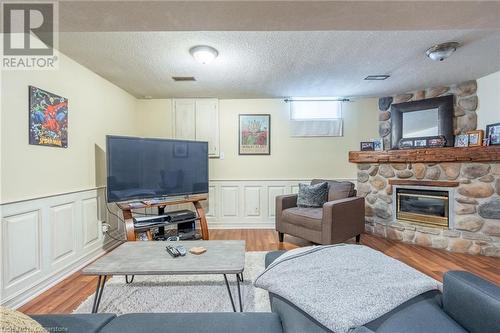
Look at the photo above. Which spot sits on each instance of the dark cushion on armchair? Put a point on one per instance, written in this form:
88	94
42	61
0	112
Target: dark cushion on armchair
337	189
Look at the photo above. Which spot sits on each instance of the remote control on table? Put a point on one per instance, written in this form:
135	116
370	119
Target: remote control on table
181	249
172	251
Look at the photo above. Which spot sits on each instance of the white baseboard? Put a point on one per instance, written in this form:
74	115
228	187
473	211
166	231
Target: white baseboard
237	224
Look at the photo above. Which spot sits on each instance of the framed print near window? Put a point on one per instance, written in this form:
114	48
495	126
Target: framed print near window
255	134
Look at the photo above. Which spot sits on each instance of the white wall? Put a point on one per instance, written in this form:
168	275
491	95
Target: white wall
488	92
291	157
51	207
96	108
242	189
155	118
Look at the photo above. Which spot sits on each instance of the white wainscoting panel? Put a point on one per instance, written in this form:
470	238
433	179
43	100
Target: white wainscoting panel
91	225
46	239
63	236
230	201
247	204
272	193
211	209
252	200
21	248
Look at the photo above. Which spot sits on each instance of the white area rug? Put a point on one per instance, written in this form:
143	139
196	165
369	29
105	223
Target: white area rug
182	293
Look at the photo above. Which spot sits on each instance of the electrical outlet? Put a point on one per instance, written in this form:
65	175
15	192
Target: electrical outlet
221	155
105	227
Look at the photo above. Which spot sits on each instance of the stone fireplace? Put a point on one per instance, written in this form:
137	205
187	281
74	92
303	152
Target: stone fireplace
429	207
447	198
468	177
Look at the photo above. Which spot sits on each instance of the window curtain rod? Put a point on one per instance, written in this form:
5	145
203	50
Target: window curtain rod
289	100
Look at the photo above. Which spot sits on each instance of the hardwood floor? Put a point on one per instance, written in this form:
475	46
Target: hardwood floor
68	294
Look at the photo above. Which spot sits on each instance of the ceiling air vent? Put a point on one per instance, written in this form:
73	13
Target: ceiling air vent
377	77
183	78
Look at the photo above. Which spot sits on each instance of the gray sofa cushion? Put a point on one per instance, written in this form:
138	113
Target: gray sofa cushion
421	314
271	256
305	217
314	195
195	322
74	323
337	189
472	301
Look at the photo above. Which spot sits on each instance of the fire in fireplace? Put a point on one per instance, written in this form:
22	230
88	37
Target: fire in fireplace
429	207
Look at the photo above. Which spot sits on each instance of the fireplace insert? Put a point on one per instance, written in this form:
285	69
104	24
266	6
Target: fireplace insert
429	207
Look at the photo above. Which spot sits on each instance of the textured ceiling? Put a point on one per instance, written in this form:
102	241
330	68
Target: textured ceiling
286	63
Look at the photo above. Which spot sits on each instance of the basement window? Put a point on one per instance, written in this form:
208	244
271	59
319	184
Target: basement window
315	118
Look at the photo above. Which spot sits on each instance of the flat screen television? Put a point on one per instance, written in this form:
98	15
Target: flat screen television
140	168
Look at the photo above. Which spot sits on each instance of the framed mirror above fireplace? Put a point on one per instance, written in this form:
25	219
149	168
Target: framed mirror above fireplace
424	119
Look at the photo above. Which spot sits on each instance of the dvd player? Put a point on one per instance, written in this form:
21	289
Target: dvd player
170	217
151	219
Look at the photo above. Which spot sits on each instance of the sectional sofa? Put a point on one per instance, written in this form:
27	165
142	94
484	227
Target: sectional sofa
467	304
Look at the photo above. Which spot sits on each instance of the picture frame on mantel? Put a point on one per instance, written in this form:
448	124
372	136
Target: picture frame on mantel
493	134
475	138
462	140
422	142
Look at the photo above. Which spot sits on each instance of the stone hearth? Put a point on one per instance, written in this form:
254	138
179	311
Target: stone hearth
476	212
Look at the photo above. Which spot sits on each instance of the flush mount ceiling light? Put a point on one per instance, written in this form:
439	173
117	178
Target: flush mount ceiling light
203	54
377	77
442	51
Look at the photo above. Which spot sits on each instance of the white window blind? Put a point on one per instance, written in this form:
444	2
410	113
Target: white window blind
308	110
316	118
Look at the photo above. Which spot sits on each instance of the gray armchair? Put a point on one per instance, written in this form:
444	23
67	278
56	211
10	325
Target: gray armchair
341	218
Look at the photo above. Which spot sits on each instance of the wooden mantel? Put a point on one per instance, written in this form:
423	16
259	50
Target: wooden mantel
428	155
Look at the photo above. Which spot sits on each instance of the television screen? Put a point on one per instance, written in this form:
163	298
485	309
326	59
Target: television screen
148	168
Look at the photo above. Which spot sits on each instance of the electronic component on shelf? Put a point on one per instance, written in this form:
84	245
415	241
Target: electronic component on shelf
151	219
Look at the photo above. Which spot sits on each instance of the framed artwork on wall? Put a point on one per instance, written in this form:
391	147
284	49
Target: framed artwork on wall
48	119
254	134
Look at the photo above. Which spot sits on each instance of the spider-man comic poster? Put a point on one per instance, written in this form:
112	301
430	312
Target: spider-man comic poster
48	118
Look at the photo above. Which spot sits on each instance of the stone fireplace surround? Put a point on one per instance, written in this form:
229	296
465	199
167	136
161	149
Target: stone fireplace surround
476	207
473	174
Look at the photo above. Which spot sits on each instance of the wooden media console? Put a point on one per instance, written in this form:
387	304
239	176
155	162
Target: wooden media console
128	215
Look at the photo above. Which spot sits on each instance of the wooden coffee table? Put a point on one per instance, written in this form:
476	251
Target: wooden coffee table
151	258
